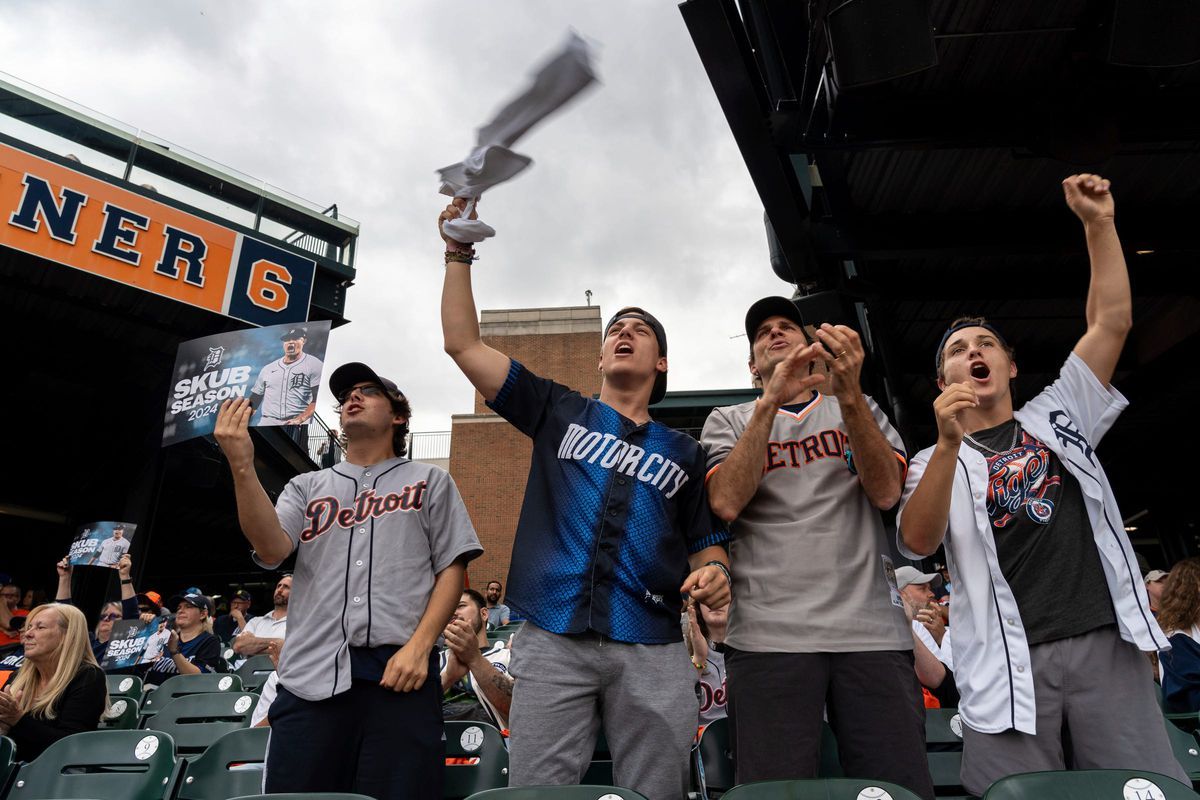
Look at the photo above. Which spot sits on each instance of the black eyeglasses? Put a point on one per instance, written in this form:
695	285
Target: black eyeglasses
370	390
110	617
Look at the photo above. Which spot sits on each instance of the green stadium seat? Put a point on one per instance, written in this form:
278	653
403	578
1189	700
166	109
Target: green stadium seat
1089	785
476	759
714	759
305	796
1188	721
8	753
821	789
255	671
122	714
600	769
943	744
1187	751
581	792
124	686
104	765
230	767
181	685
195	721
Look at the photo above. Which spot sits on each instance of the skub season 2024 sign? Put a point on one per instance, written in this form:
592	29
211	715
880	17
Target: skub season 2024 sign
278	368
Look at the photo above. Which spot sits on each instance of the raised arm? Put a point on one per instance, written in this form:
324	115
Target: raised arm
255	512
733	485
485	367
879	470
1109	300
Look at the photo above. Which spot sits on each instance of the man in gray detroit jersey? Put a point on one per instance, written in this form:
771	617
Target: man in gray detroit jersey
286	389
801	477
381	546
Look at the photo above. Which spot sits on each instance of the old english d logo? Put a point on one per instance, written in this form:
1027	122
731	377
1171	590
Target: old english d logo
1068	435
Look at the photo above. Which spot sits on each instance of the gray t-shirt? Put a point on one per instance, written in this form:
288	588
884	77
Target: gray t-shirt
287	389
371	541
808	555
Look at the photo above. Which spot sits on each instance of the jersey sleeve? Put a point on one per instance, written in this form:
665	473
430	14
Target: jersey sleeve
1093	406
525	399
451	534
916	468
289	508
718	439
701	527
889	432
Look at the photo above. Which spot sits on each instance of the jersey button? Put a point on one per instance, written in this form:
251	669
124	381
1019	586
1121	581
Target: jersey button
620	481
359	564
362	530
367	474
358	599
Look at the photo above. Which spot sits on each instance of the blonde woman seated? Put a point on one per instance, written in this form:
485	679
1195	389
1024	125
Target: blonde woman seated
59	689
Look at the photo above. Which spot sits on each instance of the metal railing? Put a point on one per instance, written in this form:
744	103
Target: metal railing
315	438
429	445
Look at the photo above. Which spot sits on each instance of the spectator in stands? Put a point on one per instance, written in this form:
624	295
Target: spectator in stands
475	672
498	613
11	616
936	677
192	648
376	582
111	611
261	632
1179	616
227	626
1155	580
150	603
1049	614
32	599
59	689
266	695
615	513
916	589
706	633
801	477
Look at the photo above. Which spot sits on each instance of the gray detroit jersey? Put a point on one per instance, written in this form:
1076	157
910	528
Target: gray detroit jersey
808	554
287	389
370	539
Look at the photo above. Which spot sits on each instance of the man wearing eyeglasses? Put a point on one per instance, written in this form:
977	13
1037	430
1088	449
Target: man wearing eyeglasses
381	544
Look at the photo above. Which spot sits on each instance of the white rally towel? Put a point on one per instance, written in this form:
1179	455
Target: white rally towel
491	163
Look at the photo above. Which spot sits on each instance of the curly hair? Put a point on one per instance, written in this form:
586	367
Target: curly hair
1179	608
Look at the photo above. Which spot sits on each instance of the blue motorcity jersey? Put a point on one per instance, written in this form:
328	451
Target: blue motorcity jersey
612	511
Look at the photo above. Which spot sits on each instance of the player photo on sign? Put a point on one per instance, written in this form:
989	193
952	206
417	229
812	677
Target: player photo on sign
101	544
278	368
132	643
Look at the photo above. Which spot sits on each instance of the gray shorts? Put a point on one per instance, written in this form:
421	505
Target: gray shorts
1096	709
645	695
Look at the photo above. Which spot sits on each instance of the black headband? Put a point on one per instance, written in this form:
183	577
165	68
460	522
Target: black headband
937	360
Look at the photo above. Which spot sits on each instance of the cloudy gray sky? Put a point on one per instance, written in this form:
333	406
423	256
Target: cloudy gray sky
637	192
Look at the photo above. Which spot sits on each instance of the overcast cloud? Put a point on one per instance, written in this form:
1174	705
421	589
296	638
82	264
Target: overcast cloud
637	192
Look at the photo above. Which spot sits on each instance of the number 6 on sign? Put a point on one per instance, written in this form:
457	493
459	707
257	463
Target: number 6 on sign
267	287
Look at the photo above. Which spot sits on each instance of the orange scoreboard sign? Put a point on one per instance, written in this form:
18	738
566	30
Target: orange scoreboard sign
53	212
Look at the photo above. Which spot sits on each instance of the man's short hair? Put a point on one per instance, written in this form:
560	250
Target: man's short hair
488	585
476	598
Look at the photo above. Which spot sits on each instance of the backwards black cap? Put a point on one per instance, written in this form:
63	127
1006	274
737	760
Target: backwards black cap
660	380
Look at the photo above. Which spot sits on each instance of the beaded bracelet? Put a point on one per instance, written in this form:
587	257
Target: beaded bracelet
460	256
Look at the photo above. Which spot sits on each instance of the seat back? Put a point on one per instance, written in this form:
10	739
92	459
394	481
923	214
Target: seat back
122	714
943	746
581	792
821	789
181	685
1186	750
1089	785
306	796
232	766
715	758
8	753
476	759
124	686
102	765
197	720
255	671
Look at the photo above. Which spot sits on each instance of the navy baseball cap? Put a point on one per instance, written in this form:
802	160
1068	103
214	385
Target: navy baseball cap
969	323
242	594
299	332
771	307
660	381
347	375
194	599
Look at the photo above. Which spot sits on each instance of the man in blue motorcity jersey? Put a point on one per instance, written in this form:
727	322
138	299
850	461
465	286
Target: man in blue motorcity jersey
614	527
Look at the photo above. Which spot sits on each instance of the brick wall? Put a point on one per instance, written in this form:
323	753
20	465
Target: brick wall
489	459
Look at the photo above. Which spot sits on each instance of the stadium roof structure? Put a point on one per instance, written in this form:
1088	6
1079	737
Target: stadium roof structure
909	154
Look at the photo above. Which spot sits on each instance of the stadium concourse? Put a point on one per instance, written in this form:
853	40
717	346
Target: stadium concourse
968	166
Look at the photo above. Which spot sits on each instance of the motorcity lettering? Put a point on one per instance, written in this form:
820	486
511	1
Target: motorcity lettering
612	452
797	453
210	387
323	512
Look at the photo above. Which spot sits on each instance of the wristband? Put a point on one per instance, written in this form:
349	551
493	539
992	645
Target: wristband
724	570
125	582
461	256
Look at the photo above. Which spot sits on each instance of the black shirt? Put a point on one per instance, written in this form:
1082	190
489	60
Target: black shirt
1044	540
78	709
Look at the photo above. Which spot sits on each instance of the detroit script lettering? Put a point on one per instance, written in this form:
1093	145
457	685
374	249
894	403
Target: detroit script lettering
323	512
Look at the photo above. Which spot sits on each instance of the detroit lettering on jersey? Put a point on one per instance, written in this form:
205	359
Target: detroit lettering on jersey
610	451
795	453
322	512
